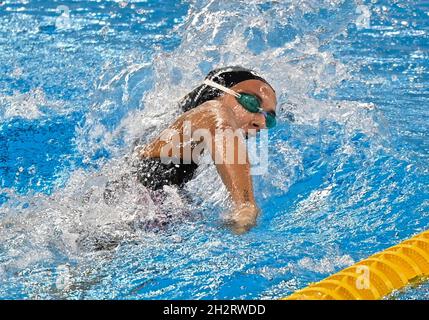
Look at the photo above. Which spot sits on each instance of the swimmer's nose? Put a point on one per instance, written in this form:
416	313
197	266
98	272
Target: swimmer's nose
257	125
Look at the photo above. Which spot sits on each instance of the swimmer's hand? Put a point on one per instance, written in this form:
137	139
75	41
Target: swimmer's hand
243	218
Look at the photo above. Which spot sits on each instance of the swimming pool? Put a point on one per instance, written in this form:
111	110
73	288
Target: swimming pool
81	81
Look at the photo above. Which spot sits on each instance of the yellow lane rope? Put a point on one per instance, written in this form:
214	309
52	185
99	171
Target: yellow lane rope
375	277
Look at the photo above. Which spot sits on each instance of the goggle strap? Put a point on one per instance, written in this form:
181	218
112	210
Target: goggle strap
221	88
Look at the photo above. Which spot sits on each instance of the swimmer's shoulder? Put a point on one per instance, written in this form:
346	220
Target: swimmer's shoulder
212	111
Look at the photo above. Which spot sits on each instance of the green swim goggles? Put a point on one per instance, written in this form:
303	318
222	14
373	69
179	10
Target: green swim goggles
248	101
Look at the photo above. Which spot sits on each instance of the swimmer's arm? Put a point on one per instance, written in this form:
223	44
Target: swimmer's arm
235	176
234	172
238	182
233	167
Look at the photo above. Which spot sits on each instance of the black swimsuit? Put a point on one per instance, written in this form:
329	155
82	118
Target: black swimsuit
154	174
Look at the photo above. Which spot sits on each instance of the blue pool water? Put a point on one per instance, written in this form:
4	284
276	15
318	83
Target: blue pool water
82	81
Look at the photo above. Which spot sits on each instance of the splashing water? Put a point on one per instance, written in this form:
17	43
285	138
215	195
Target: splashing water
83	84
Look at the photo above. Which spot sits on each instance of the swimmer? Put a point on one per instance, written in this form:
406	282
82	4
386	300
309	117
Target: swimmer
231	98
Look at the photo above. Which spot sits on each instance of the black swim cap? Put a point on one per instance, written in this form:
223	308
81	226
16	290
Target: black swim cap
228	77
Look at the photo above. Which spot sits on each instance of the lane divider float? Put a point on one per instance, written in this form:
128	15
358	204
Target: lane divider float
376	276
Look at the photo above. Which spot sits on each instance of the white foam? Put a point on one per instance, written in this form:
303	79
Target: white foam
26	105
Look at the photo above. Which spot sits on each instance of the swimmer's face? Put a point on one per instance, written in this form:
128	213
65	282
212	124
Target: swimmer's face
245	119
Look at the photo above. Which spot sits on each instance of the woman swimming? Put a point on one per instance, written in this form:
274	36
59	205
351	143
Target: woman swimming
232	99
